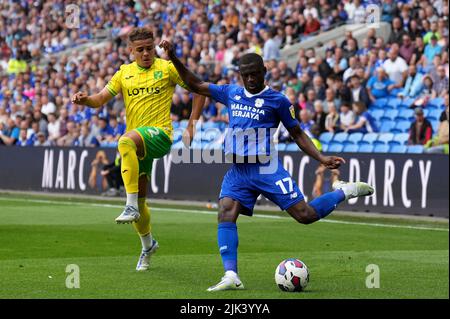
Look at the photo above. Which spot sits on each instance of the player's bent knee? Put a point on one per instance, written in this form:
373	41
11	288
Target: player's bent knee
226	211
304	215
126	145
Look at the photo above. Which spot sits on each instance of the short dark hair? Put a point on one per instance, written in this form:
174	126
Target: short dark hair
140	34
251	58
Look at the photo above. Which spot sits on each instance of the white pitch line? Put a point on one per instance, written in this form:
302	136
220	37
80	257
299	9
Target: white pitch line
204	212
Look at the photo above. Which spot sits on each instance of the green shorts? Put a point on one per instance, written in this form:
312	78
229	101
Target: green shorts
156	145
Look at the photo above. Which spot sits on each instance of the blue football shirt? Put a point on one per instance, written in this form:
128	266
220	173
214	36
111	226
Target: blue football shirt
253	118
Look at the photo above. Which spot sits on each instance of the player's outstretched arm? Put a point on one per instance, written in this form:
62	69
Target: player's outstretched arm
195	84
94	101
304	142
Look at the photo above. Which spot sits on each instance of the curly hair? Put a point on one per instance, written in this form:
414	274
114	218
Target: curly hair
140	34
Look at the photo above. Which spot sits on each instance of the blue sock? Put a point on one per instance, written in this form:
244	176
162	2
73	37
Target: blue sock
325	204
227	238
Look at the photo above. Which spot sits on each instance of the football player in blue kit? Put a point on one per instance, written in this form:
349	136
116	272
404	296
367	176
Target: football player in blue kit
258	107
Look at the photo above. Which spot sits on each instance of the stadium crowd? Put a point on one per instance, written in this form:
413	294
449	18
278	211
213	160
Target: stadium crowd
331	93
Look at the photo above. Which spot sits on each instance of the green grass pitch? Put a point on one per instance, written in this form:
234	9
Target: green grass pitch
40	236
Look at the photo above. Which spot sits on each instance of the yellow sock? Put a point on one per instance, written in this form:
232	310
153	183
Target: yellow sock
142	226
130	164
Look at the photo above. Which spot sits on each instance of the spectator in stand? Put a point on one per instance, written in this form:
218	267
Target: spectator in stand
332	119
441	82
379	86
397	32
271	49
346	117
86	138
413	85
41	140
53	127
9	133
421	130
426	93
406	50
365	122
305	121
358	92
431	50
319	116
396	67
439	144
312	25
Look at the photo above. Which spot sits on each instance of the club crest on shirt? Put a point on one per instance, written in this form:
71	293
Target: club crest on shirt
259	102
291	108
237	97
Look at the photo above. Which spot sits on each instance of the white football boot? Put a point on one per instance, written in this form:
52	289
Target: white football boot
130	214
144	260
230	281
352	190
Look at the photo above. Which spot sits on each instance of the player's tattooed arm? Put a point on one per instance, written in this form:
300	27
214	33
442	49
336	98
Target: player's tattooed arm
195	84
304	142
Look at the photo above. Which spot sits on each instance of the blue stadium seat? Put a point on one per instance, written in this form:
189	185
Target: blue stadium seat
435	126
389	115
393	102
175	124
355	138
401	127
386	126
292	147
280	147
415	149
434	114
405	115
400	139
177	133
340	137
425	112
210	135
366	148
398	149
368	138
183	123
208	125
324	147
326	137
406	103
381	148
335	147
438	102
377	114
384	139
351	148
379	103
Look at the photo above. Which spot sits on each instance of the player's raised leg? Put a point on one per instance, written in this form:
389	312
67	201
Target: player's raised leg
227	237
130	145
322	206
143	227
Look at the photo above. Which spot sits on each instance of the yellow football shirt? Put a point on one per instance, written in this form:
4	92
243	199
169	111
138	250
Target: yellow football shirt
147	93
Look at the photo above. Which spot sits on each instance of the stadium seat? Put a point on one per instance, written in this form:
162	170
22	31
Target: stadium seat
335	147
355	138
438	102
405	115
435	126
379	103
280	147
340	137
398	149
365	148
425	112
381	148
434	114
400	139
208	125
401	127
389	115
384	139
177	133
175	124
292	147
393	102
415	149
326	137
368	138
406	103
351	148
210	135
324	147
387	126
377	114
183	124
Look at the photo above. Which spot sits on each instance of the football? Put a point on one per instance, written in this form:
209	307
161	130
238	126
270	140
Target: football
292	275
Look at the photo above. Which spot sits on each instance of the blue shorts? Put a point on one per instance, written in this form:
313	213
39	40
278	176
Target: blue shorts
244	183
